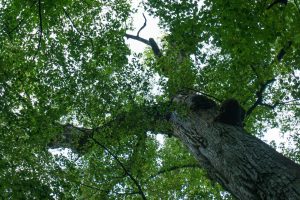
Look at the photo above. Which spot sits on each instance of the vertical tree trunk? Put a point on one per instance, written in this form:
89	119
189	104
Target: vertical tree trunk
244	165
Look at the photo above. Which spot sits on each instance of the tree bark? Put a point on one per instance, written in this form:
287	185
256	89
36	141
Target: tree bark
244	165
74	138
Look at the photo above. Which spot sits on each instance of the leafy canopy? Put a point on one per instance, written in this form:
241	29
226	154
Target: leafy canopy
65	65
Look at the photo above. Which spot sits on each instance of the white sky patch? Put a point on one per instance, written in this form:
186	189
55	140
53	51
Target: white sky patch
151	30
60	151
274	135
161	139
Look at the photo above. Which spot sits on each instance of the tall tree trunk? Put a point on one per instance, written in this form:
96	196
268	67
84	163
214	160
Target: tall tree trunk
244	165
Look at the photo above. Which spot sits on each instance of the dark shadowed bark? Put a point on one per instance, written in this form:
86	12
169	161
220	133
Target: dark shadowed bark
241	163
75	138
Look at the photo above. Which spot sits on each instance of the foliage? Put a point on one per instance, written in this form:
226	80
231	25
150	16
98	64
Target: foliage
66	62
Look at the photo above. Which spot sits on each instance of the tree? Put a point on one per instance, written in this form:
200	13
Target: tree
69	80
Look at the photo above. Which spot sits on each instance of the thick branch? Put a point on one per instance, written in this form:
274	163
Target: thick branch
77	138
154	47
137	38
186	91
282	52
151	42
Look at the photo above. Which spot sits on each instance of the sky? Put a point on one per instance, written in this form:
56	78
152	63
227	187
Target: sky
150	31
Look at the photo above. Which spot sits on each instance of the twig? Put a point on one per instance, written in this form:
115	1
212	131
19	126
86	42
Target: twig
254	70
189	90
123	167
144	25
288	102
268	105
73	24
75	27
173	168
297	5
17	26
20	22
93	187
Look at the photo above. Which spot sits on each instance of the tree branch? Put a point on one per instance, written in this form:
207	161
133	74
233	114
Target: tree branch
173	168
154	47
20	22
297	5
40	25
254	70
76	29
263	86
277	2
70	19
137	38
285	103
259	94
282	51
77	138
186	91
144	25
290	102
123	167
268	105
151	42
40	29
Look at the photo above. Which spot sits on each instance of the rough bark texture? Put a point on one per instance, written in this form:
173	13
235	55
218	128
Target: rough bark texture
241	163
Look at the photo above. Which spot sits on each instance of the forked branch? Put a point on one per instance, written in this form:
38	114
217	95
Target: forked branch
151	42
259	95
